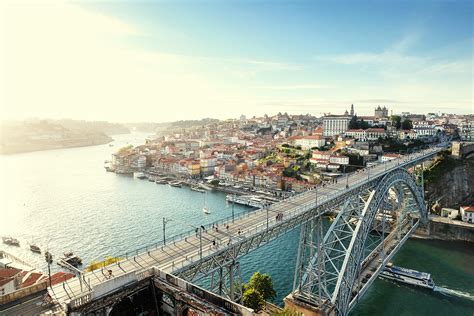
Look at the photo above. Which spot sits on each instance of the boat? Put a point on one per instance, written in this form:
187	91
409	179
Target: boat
407	276
161	181
197	189
35	248
11	241
139	175
205	209
70	259
176	184
249	200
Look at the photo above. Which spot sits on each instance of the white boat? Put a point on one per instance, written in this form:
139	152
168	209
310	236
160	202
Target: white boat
205	209
407	276
139	175
197	189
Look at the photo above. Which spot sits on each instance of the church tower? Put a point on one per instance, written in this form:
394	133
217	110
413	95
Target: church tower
352	109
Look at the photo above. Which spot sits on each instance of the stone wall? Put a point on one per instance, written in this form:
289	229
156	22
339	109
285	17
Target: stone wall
445	229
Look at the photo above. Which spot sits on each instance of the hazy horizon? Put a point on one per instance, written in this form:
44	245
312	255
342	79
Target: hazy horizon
167	61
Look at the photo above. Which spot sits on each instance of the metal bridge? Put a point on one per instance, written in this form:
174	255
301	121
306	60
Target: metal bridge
377	208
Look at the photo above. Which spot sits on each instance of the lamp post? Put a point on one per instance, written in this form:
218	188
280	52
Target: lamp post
49	259
233	204
165	221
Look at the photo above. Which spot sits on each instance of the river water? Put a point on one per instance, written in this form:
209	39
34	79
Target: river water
64	200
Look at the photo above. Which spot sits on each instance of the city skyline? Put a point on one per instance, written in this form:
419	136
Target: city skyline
169	61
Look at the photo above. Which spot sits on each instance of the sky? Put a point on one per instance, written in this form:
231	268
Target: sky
160	61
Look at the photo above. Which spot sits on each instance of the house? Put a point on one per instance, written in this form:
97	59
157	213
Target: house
467	214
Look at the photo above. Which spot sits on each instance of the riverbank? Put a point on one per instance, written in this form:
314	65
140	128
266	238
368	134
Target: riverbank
442	228
20	149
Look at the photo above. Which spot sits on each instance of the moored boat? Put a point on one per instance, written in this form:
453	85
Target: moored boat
70	259
197	189
176	184
139	175
11	241
35	248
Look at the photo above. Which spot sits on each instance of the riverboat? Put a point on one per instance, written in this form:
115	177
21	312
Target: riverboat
176	184
11	241
70	259
139	175
407	276
161	181
249	200
197	189
35	249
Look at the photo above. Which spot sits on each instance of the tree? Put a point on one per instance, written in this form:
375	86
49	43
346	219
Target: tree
407	124
253	299
353	124
263	284
215	182
396	121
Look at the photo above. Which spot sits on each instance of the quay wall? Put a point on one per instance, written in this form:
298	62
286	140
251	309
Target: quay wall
446	229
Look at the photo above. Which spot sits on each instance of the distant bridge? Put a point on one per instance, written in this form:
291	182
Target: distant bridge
376	208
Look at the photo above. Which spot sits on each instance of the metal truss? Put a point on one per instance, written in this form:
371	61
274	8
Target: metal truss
226	281
329	268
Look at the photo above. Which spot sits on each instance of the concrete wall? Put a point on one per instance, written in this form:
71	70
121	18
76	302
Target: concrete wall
447	230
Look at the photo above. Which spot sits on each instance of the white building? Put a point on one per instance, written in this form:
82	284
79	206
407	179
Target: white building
467	214
335	124
388	157
309	142
370	134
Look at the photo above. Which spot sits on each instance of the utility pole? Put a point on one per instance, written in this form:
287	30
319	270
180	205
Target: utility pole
165	220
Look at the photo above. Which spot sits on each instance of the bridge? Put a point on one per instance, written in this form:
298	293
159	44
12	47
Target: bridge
377	208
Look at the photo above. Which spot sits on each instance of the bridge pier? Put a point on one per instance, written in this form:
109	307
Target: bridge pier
294	305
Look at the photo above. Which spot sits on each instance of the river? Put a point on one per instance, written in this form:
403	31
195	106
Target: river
64	200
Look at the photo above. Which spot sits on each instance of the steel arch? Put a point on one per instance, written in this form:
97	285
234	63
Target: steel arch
335	272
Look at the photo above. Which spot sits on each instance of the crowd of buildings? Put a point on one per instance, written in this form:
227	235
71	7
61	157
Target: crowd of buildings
287	152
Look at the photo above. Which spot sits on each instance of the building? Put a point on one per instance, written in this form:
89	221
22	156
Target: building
309	142
380	112
370	134
467	214
388	157
466	131
335	124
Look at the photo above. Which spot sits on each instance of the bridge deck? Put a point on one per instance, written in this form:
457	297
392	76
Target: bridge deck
181	252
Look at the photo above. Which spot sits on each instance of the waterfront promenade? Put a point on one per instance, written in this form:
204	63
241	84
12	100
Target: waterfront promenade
188	248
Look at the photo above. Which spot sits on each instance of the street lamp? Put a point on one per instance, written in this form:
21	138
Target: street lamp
49	259
165	221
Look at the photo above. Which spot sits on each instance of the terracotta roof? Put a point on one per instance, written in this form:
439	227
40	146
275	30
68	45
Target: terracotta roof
8	273
468	208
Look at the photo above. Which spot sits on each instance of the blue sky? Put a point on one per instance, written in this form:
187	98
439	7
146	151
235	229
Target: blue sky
169	60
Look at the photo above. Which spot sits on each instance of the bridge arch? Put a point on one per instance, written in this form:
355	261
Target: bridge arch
332	276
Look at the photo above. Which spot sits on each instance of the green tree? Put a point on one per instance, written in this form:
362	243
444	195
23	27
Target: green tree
215	182
407	124
263	284
253	299
353	124
396	121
